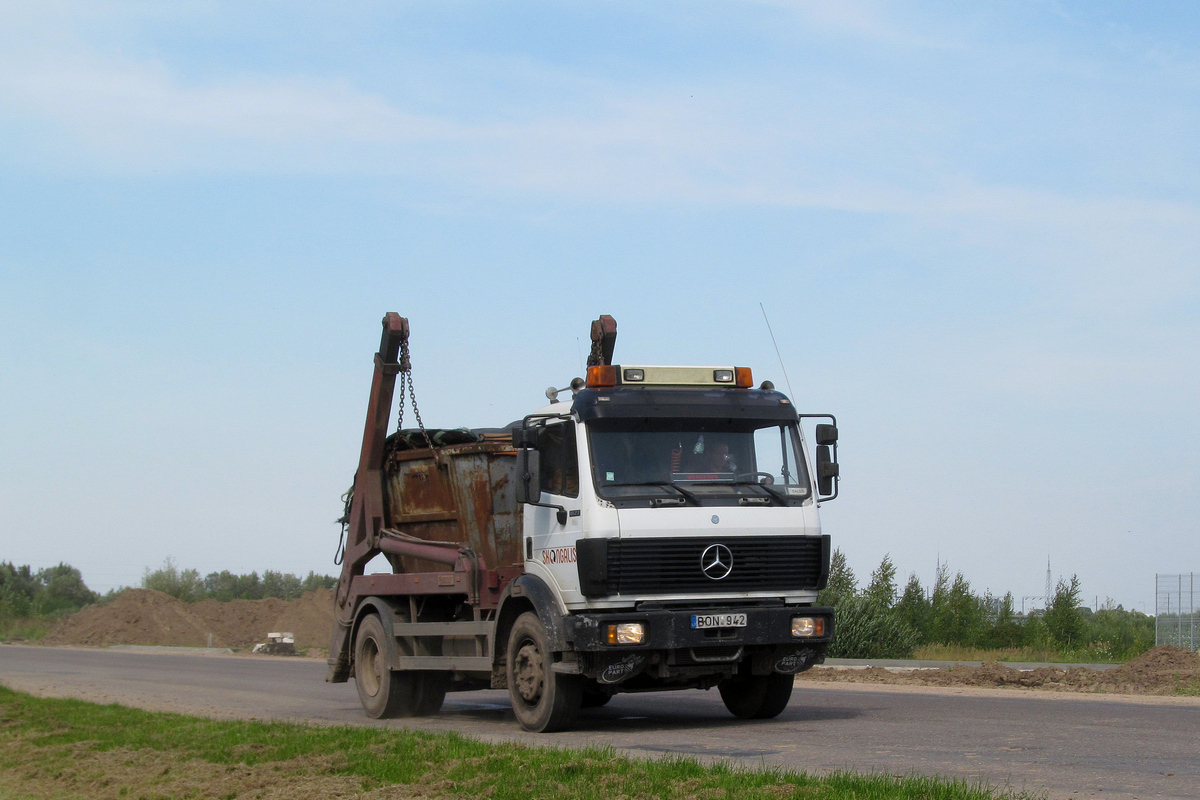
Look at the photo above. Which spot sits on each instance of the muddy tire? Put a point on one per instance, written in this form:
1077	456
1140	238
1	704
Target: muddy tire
757	696
382	692
542	700
429	692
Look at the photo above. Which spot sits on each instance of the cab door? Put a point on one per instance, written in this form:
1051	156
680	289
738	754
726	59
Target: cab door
551	553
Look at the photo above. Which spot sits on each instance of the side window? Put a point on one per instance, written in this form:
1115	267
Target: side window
775	455
559	459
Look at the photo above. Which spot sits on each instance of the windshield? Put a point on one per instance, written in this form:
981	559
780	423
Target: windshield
698	461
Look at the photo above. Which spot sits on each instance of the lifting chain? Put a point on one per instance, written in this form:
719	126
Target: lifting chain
597	355
406	387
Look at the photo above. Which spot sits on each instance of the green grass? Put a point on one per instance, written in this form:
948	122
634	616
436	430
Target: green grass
1037	655
456	766
27	628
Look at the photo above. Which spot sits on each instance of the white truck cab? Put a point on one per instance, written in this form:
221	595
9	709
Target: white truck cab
671	513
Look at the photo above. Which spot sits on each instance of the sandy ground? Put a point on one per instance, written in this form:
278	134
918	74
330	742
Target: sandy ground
146	617
1161	671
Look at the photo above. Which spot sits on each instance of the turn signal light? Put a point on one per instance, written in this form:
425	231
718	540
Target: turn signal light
808	627
625	633
601	375
744	379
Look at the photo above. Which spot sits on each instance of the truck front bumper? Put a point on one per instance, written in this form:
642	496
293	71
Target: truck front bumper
673	646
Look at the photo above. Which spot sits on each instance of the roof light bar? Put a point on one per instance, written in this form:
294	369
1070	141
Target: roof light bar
604	376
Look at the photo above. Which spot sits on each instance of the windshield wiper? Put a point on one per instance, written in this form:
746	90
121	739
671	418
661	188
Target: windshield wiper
684	492
769	490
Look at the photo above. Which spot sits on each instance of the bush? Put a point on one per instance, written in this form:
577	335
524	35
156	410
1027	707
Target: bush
183	585
867	624
31	602
1063	619
872	624
866	629
841	583
53	590
1118	634
914	608
957	615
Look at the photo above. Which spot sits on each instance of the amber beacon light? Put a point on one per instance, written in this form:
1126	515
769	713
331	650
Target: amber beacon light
601	375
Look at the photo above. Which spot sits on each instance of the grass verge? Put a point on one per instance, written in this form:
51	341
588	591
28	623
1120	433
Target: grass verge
26	629
1036	655
52	748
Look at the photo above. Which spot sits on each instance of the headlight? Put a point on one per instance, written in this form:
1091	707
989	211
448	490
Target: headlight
807	627
626	633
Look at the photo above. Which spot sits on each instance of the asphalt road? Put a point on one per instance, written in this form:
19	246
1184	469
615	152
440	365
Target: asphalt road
1065	745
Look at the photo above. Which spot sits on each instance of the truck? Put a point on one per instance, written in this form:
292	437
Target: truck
656	531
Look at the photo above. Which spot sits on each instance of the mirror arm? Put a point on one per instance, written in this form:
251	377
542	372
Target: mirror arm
561	516
833	455
523	438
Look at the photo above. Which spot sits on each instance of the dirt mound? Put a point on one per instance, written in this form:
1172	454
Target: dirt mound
1163	670
1166	669
144	616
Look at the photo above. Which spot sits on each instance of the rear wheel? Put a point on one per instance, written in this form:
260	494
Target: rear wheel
385	692
757	696
543	700
382	692
429	692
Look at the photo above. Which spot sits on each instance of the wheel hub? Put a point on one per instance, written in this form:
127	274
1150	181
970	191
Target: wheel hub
530	673
371	673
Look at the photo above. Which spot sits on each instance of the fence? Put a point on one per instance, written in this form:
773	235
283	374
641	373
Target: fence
1176	617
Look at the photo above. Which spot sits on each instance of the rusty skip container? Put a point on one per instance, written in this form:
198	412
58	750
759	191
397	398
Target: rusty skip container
462	494
445	518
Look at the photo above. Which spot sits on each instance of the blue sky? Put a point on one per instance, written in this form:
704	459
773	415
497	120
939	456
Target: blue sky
975	231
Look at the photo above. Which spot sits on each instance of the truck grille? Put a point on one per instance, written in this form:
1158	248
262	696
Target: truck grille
760	563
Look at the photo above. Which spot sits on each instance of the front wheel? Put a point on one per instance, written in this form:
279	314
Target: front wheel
757	696
593	698
543	700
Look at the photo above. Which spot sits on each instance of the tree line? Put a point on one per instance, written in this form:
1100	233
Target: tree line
188	586
55	591
881	621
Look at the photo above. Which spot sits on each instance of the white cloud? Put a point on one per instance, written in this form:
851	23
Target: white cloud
845	148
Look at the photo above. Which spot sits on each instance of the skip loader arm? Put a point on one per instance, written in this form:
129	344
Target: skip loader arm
366	505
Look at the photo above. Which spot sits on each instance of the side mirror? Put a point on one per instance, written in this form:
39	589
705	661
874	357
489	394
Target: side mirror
827	469
524	437
528	475
827	434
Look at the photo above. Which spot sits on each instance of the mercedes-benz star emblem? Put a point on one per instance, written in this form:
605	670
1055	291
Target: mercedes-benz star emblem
716	562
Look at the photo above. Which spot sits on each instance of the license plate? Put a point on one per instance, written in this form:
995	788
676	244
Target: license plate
718	620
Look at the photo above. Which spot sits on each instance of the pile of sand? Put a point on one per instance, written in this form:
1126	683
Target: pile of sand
1162	670
144	616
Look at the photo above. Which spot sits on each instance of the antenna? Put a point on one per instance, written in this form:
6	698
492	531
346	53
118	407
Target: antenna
786	379
1049	584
